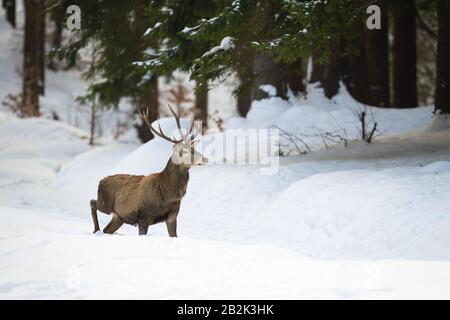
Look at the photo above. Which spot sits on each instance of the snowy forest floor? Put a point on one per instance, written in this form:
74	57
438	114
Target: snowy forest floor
363	221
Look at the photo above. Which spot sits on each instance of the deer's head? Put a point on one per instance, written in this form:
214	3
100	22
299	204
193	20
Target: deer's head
183	150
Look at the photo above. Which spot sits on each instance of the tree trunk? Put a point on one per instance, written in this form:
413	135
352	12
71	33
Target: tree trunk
93	121
295	77
442	95
201	104
354	69
30	94
405	56
245	74
328	75
149	99
268	72
354	76
41	45
10	6
377	51
244	98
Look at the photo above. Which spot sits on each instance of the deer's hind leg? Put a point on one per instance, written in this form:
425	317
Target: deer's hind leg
143	227
113	225
94	215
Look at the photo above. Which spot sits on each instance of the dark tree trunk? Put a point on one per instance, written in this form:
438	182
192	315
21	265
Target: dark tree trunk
442	95
328	75
246	78
41	45
10	7
354	76
377	51
244	98
295	77
93	122
354	70
149	99
30	93
405	56
268	72
201	104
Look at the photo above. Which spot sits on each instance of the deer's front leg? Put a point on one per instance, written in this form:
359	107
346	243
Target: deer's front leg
143	227
171	221
171	224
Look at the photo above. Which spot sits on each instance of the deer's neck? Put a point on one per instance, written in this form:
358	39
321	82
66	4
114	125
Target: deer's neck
173	181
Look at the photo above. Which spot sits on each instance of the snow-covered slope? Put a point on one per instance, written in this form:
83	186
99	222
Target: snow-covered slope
318	229
47	255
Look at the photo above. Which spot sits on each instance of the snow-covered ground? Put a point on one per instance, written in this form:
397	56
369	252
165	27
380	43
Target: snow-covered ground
362	221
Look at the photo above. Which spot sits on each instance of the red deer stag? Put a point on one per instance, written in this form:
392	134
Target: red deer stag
146	200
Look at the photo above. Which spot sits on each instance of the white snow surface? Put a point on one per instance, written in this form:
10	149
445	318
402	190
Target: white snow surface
355	222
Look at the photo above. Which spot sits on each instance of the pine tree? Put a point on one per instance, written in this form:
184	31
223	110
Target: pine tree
180	52
284	31
231	31
117	29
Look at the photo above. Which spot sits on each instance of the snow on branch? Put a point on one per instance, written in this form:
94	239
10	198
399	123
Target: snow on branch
227	43
150	30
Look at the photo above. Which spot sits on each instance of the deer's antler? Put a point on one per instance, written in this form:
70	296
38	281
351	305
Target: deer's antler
184	137
144	116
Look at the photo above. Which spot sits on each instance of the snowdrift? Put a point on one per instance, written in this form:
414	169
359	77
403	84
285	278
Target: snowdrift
36	148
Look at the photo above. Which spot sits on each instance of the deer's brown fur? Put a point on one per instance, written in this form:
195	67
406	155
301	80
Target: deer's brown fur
146	200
